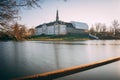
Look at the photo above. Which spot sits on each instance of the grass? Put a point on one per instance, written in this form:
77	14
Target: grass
58	38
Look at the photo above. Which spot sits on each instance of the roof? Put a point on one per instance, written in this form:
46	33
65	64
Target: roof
70	25
79	25
52	23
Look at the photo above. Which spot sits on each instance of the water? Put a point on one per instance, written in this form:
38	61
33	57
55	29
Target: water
31	57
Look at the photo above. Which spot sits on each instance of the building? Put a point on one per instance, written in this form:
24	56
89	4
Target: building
59	27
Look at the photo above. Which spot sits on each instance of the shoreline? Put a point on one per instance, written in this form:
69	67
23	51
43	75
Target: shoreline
58	39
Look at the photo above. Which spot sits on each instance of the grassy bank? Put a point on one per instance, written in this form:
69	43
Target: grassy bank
58	38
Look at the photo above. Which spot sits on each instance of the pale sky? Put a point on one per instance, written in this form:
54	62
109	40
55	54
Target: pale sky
88	11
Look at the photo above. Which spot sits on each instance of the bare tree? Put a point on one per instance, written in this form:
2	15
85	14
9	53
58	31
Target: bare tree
22	31
31	32
97	27
9	9
15	31
115	25
103	28
92	30
18	31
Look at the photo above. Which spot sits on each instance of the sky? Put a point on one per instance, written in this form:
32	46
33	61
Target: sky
87	11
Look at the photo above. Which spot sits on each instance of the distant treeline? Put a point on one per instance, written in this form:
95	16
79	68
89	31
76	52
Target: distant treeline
106	32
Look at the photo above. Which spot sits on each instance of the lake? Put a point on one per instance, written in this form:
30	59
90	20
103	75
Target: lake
25	58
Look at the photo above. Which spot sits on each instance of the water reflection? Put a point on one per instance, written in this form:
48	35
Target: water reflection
32	57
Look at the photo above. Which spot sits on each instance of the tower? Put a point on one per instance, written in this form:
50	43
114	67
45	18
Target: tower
57	16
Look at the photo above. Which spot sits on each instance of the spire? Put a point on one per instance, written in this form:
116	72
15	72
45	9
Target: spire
57	16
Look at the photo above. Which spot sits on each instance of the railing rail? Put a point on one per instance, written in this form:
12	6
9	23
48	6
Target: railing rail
68	71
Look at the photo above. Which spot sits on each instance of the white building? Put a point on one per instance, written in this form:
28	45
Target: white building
61	28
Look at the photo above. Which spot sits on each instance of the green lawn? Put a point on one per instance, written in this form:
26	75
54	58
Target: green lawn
60	37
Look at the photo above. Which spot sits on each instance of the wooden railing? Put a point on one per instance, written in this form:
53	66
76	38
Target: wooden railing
67	71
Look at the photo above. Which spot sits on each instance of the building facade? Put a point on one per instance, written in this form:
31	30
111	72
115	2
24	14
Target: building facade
58	27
